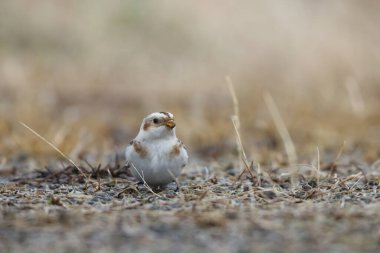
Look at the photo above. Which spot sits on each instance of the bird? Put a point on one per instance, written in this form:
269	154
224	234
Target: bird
156	156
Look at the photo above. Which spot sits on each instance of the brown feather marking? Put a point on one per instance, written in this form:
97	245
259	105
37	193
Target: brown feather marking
182	145
166	114
176	150
146	126
140	149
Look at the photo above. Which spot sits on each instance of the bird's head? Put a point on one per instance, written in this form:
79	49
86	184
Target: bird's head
157	125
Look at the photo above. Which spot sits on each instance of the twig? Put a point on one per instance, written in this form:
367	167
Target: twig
285	136
129	187
349	178
357	175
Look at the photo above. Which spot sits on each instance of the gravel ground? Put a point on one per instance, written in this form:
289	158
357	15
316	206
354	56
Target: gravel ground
214	211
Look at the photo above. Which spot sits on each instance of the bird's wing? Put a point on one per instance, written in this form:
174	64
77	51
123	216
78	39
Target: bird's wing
128	150
181	144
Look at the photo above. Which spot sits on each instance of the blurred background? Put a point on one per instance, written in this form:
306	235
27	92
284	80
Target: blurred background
84	74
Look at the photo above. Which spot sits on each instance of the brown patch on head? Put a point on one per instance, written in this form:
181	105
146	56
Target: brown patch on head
146	126
140	149
167	114
176	149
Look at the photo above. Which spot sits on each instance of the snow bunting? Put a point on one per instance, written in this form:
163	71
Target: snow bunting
156	155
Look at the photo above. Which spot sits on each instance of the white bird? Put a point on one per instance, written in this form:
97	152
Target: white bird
156	155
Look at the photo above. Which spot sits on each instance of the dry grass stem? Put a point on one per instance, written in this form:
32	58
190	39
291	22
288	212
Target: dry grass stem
318	166
235	117
144	182
54	147
351	177
175	179
340	152
375	165
333	165
98	184
246	166
355	97
234	100
3	162
285	136
126	189
236	123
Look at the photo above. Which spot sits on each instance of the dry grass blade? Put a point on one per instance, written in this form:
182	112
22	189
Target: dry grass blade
98	185
259	175
234	99
236	123
351	177
175	180
54	147
340	152
318	166
235	117
356	98
126	189
203	195
285	136
244	157
332	165
144	182
3	162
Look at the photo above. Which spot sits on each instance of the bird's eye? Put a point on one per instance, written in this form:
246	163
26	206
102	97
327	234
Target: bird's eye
155	121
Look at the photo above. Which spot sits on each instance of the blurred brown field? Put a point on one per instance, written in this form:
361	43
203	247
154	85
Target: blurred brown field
83	74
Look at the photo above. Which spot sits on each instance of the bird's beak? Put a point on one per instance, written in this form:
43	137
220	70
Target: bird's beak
170	123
